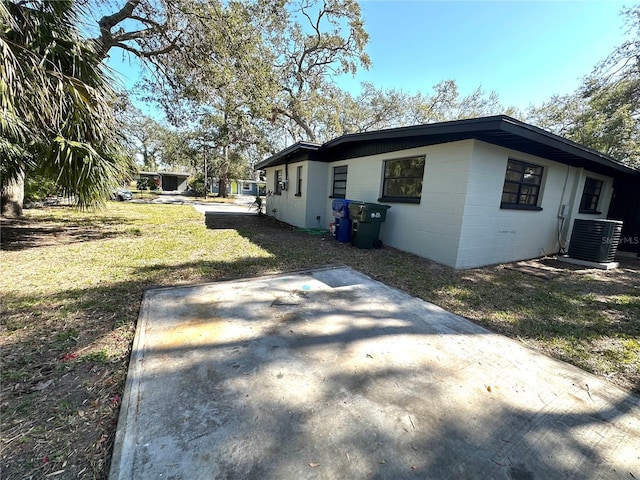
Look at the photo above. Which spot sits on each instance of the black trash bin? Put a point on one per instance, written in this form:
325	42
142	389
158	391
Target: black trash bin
340	207
365	223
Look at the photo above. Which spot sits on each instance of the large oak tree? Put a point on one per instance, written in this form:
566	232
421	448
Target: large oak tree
604	113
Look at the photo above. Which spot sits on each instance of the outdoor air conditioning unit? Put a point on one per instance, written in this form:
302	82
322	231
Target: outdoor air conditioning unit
595	240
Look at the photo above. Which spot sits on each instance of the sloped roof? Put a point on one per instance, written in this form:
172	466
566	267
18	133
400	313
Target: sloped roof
499	130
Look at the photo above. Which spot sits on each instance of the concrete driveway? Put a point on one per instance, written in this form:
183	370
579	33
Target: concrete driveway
328	374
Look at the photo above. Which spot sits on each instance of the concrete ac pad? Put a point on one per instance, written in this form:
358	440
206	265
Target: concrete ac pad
327	374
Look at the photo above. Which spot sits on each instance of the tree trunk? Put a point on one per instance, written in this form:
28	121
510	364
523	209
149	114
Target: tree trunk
222	187
224	172
13	197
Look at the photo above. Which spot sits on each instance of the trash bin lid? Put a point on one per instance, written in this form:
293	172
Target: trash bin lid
340	203
367	206
356	206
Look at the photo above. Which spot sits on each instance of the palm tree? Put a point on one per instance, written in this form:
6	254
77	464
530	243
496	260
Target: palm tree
56	116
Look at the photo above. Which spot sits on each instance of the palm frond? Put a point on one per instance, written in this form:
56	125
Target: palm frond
57	116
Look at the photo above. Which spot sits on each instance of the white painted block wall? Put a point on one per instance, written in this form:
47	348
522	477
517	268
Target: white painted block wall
459	221
300	211
431	228
315	192
605	200
493	235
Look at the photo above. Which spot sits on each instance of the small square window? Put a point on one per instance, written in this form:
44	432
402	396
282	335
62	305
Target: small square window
403	179
521	187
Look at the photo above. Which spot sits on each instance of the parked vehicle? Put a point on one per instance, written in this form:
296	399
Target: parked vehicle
121	195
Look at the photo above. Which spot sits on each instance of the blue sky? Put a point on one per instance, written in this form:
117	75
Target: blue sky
524	50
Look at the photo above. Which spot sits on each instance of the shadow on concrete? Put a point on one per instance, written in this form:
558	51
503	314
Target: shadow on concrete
355	382
118	302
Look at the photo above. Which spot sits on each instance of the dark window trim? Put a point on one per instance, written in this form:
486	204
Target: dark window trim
298	181
520	206
277	190
517	205
400	199
333	184
589	212
597	196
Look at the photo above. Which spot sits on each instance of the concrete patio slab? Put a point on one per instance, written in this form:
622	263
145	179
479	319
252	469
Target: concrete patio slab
327	374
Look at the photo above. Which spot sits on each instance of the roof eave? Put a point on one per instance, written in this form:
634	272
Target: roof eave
282	156
452	126
535	134
486	129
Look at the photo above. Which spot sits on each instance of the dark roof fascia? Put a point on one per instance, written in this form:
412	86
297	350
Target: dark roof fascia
297	151
175	174
427	129
499	130
530	132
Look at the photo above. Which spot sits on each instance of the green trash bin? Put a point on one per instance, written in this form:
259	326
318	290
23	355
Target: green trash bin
365	223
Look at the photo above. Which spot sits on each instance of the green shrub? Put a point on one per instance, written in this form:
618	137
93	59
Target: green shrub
37	188
197	184
142	184
146	183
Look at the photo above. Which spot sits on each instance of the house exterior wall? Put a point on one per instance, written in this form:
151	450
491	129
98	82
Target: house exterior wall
315	192
248	188
458	221
430	228
491	234
214	187
182	184
304	209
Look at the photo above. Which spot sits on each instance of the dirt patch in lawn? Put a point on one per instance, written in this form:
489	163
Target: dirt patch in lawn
72	285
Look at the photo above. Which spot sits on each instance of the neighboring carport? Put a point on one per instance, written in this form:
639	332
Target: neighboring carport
329	374
174	182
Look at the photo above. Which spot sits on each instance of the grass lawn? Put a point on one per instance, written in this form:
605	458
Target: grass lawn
146	195
72	285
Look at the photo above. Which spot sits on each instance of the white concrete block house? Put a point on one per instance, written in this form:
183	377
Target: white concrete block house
465	193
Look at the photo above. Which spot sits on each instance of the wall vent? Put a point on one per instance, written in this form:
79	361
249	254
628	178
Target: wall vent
595	240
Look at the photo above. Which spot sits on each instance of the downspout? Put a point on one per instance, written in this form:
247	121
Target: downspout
286	191
563	209
567	210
